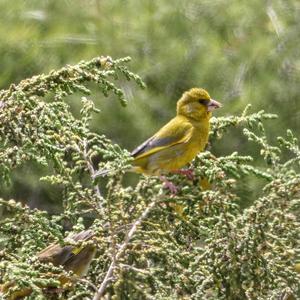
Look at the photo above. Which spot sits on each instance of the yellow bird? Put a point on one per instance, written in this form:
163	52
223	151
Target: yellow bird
181	139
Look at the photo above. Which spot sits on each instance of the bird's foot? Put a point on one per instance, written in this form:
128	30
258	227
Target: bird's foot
189	173
169	185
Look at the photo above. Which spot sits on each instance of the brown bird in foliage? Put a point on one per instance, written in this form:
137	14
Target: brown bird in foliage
76	258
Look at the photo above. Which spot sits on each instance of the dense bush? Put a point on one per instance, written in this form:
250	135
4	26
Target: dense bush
202	243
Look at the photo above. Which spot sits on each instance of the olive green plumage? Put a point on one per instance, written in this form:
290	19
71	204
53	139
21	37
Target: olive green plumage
181	139
72	258
76	258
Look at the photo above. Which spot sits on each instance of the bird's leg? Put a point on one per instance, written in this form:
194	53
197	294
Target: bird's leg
189	173
169	185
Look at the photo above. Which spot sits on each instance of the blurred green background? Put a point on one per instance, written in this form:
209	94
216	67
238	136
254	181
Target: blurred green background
240	51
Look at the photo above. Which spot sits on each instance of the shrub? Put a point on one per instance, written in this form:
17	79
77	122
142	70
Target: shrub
198	244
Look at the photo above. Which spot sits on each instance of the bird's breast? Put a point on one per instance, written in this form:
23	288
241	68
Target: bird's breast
179	155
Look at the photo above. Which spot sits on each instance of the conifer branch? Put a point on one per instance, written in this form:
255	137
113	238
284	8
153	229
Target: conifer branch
109	274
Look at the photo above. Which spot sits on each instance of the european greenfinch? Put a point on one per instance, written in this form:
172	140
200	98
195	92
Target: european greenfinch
181	139
76	258
71	257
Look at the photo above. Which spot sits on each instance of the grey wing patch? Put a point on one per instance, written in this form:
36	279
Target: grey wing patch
56	254
81	236
151	144
140	149
64	255
59	255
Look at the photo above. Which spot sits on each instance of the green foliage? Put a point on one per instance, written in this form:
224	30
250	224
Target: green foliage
197	244
240	52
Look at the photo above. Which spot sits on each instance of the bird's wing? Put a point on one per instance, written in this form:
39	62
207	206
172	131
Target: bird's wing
81	236
175	132
59	255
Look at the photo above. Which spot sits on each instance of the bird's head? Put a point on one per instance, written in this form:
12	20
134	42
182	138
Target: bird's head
196	104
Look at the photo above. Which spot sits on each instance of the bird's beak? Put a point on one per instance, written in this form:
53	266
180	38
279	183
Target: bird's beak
213	104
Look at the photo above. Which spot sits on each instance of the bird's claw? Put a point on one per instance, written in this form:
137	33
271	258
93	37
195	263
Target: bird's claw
169	185
189	173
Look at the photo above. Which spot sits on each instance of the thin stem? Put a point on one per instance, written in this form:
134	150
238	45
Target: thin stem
124	266
88	283
92	172
120	252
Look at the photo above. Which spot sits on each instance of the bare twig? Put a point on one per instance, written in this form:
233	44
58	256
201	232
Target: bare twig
92	172
88	283
124	266
120	252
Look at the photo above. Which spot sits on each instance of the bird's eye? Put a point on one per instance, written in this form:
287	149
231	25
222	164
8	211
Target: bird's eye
203	101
